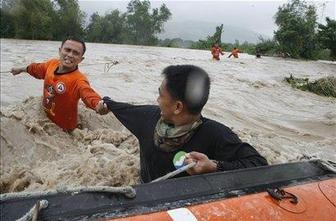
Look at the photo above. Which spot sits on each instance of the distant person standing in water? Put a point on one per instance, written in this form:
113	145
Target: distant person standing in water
258	53
64	85
234	52
216	51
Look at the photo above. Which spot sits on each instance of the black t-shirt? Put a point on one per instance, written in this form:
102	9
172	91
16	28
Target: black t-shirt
212	138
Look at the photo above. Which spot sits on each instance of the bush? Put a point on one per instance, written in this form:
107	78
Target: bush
323	86
324	54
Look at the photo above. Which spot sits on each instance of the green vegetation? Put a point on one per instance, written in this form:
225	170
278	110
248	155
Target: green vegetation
54	20
7	28
175	43
323	86
298	36
327	36
141	25
207	44
107	29
268	47
41	19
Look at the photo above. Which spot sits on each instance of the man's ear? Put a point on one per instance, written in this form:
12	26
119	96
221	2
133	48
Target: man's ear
179	107
82	59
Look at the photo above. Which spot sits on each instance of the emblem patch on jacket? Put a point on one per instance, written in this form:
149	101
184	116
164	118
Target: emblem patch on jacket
60	87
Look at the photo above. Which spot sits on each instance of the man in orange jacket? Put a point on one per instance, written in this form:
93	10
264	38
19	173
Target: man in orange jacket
64	85
234	52
215	51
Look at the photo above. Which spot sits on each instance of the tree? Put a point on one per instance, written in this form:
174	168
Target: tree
7	24
215	38
69	19
267	46
327	36
95	28
41	19
296	34
142	26
108	29
33	19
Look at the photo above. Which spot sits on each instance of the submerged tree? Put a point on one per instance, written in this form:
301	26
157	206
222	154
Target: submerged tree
324	86
267	46
327	36
215	38
296	34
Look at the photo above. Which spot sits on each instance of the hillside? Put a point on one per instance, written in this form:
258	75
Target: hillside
191	30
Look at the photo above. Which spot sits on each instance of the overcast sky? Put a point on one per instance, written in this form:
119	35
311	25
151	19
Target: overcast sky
256	16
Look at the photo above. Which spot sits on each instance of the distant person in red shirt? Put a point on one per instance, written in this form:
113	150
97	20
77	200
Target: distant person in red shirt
215	51
64	85
234	52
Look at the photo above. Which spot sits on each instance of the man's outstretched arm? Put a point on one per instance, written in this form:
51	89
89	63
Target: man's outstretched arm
90	97
37	70
136	118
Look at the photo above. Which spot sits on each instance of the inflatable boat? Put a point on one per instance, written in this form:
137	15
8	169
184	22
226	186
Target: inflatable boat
294	191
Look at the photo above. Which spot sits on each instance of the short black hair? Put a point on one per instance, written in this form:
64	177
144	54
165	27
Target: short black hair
70	38
189	84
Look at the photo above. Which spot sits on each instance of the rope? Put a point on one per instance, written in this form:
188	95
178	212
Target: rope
128	191
109	65
175	172
32	214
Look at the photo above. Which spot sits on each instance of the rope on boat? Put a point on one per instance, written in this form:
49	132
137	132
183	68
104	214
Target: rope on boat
32	214
327	165
128	191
